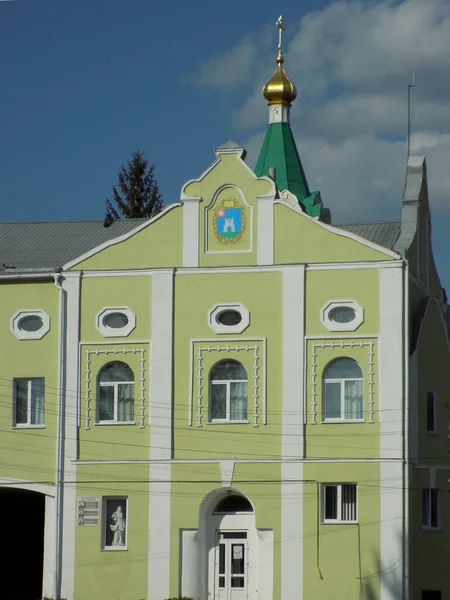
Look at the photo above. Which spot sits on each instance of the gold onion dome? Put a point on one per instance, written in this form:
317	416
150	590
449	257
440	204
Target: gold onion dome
279	88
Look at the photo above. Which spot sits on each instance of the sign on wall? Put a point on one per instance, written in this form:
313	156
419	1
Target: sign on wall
88	510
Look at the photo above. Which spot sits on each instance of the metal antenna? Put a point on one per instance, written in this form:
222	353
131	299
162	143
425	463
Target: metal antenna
411	87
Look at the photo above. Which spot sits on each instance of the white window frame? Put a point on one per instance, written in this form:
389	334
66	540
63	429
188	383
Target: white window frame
30	335
435	419
113	332
106	523
342	382
115	385
428	524
332	325
225	329
228	383
338	488
28	424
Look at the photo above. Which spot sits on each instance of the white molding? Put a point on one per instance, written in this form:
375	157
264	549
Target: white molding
119	239
234	269
109	343
161	366
292	531
336	326
293	414
227	249
368	336
256	382
21	334
159	515
393	518
217	309
107	331
191	231
351	266
71	288
265	230
89	392
48	489
350	343
241	460
341	232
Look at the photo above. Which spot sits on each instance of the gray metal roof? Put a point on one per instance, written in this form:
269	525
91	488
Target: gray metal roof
383	234
48	246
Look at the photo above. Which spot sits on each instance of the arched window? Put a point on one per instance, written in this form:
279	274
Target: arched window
232	504
115	393
228	392
343	391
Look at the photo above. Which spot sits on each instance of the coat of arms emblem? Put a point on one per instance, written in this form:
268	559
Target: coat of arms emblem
229	221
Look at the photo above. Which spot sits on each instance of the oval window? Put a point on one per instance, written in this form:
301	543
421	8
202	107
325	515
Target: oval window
342	314
115	320
229	318
31	323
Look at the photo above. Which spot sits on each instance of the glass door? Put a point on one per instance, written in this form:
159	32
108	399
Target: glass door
231	565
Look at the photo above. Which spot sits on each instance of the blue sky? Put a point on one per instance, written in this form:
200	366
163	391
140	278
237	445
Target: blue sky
84	82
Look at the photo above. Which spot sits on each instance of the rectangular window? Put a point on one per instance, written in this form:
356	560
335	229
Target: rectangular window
431	595
431	413
115	511
339	503
28	401
430	509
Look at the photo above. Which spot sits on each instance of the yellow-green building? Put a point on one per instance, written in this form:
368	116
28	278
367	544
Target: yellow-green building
233	400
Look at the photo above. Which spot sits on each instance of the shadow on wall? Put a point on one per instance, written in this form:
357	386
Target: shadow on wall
390	578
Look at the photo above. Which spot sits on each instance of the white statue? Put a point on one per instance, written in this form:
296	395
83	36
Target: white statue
229	224
118	527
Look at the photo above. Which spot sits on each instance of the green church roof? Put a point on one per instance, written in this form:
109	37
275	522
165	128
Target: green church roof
280	152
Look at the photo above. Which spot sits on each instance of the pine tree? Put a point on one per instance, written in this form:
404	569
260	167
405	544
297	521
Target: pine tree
140	197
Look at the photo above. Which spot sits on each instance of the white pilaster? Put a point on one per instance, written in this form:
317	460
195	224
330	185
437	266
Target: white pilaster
71	287
265	230
293	433
161	373
279	113
391	398
191	228
49	547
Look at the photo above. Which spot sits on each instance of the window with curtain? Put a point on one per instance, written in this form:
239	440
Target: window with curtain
228	392
28	401
343	391
115	400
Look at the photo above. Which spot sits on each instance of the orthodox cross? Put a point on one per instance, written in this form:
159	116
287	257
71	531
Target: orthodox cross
280	35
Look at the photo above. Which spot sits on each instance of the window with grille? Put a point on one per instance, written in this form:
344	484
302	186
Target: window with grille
339	503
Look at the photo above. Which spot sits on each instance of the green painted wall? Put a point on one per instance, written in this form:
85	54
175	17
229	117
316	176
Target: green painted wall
113	441
359	285
111	574
341	561
195	296
158	245
102	292
299	239
29	454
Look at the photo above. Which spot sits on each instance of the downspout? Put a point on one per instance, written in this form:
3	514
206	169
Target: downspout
59	485
405	524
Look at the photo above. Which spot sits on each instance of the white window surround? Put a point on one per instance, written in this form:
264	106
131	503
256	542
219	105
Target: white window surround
218	327
20	333
35	403
331	325
107	331
345	498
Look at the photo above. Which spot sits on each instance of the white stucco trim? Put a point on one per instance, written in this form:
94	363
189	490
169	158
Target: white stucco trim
191	231
336	326
119	239
159	503
193	461
392	381
340	232
293	419
352	266
265	232
161	374
22	334
219	308
106	331
226	472
21	484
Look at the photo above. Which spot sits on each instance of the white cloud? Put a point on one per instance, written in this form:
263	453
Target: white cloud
352	63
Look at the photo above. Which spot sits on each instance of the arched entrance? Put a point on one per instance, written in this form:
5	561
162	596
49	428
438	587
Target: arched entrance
23	523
